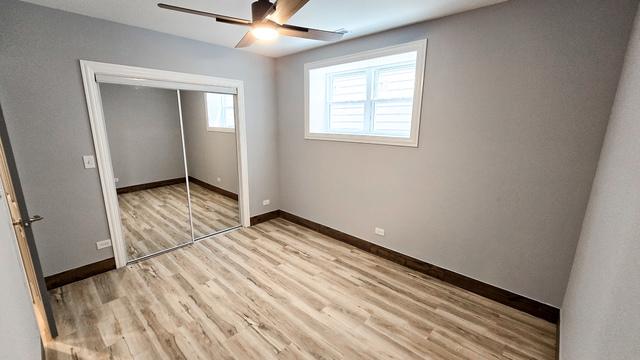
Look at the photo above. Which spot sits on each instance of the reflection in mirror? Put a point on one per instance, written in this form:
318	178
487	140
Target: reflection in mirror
210	142
145	141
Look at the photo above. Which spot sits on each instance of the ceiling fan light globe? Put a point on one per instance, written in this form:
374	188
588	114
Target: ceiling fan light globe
265	33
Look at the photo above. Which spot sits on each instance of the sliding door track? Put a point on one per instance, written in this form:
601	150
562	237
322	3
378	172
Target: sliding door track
221	232
164	251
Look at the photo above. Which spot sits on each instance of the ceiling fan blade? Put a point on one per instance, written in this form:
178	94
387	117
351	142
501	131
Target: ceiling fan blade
285	10
246	40
306	33
220	18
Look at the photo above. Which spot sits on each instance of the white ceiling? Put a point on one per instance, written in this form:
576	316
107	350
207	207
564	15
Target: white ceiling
358	17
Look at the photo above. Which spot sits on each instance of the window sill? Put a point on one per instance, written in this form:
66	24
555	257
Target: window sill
365	139
219	129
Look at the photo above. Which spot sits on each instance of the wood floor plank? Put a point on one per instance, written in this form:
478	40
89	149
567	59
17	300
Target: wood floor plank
281	291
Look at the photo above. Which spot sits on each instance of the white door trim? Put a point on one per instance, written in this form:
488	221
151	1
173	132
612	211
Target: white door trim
152	77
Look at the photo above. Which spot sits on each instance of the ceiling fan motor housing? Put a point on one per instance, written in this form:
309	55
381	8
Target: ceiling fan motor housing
260	9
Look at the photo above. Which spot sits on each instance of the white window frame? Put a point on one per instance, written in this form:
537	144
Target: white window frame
206	115
420	47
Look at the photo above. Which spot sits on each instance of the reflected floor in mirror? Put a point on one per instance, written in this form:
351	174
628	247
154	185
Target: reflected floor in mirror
157	219
212	212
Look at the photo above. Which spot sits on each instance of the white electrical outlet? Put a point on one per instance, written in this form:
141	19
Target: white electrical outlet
89	161
116	179
266	202
218	179
103	244
379	231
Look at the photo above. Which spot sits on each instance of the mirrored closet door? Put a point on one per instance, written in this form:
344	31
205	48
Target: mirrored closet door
211	151
145	141
174	160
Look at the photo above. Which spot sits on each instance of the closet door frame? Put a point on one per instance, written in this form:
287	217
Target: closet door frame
137	76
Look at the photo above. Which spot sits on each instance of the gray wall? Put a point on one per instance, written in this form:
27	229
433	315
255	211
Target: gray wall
515	105
20	337
210	154
43	100
600	315
143	127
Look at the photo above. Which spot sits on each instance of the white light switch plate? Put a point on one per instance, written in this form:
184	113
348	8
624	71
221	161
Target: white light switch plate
89	161
103	244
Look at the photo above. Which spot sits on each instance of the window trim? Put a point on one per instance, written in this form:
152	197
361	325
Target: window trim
420	46
206	116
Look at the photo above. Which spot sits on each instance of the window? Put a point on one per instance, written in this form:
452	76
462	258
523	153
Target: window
220	112
369	97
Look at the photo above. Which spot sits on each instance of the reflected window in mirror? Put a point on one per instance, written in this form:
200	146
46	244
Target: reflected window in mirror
220	112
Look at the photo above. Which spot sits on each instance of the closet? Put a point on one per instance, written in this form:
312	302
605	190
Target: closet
175	166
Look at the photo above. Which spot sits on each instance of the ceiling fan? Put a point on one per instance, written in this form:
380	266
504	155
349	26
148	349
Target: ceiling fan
267	21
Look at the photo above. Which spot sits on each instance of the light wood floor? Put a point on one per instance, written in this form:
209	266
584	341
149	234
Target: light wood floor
280	291
158	219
